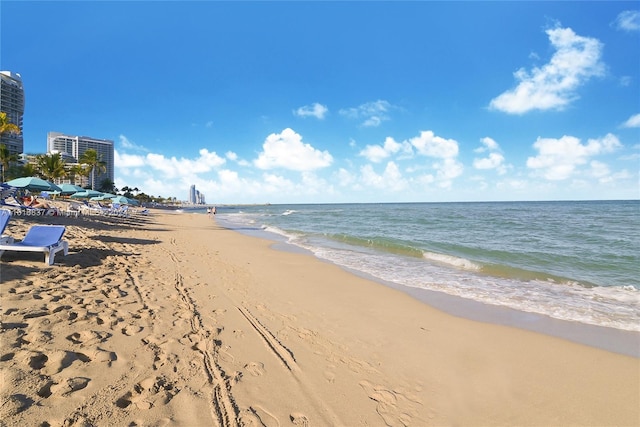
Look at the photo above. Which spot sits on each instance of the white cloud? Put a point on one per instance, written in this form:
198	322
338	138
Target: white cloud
391	179
558	159
286	150
170	167
123	160
372	113
173	167
129	145
489	144
600	170
230	155
633	121
629	20
377	153
277	184
553	86
431	145
316	110
448	169
345	178
625	81
426	144
494	160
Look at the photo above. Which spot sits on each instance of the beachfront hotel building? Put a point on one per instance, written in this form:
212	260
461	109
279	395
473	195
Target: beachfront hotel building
71	148
12	103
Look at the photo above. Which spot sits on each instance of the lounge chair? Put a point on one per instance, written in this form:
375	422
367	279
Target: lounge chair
40	238
73	209
7	193
5	216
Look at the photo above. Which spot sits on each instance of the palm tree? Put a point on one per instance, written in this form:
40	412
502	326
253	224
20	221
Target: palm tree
6	157
74	171
94	161
51	166
27	170
108	186
6	126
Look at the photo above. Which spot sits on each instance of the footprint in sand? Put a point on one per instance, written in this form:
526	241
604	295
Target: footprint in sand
392	405
255	368
330	376
88	337
15	404
131	330
148	393
57	361
299	419
256	416
64	387
38	361
104	356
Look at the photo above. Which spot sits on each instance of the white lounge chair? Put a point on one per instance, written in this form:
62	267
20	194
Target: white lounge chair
40	238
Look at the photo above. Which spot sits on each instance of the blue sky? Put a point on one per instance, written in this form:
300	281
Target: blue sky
322	102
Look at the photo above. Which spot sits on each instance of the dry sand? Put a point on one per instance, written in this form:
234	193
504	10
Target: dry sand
170	319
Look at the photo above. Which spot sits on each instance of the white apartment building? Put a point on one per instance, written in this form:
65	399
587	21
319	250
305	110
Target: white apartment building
12	103
71	148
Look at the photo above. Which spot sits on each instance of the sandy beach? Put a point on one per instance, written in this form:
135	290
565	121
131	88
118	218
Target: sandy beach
171	319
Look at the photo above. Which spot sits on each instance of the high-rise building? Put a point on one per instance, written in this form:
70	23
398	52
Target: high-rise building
195	197
200	198
12	103
192	194
72	147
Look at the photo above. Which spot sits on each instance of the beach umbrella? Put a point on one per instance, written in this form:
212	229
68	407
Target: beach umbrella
124	200
33	183
86	194
69	189
105	196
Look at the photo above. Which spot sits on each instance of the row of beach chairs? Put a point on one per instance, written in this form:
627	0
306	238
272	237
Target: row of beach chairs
9	199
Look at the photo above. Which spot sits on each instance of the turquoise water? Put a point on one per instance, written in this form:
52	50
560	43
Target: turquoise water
576	261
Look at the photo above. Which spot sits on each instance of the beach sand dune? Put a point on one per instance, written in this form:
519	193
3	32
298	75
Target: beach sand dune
170	319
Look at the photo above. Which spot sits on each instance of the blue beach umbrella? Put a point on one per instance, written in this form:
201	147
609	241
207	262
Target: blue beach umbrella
33	183
124	200
86	194
69	189
105	196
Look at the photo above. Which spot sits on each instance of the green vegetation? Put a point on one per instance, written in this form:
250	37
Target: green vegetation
6	158
94	163
50	166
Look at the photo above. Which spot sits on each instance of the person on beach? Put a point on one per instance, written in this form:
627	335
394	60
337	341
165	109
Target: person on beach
33	202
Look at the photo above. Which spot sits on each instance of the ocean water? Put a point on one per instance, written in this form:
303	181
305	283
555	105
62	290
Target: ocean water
574	261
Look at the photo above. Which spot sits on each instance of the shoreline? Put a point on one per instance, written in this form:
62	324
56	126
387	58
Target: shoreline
174	319
601	337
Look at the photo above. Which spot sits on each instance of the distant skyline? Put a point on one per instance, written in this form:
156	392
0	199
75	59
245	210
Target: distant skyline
330	102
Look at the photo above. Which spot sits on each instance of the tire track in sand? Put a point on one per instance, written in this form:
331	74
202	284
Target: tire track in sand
224	409
288	359
282	353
